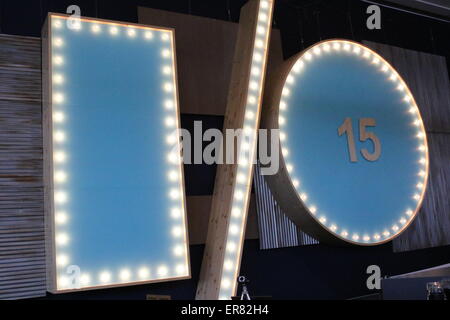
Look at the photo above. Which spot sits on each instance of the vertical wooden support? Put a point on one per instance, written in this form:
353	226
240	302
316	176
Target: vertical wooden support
223	249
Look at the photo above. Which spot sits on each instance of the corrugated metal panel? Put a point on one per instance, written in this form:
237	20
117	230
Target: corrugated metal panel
275	228
22	248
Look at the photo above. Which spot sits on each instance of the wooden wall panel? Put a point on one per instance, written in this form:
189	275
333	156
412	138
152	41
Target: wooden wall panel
22	248
426	75
432	225
205	56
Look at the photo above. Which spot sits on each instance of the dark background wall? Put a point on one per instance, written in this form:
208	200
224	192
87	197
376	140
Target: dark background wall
318	271
302	22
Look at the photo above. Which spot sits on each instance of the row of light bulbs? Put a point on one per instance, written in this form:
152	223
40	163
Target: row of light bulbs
246	154
347	47
60	157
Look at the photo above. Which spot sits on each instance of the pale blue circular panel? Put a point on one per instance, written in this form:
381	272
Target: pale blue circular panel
362	200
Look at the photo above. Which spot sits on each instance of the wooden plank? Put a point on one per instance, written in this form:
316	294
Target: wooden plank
210	282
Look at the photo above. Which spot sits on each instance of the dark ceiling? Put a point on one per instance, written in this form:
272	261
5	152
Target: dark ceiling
302	22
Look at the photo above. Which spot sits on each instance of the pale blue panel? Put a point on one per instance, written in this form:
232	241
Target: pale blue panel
117	169
361	197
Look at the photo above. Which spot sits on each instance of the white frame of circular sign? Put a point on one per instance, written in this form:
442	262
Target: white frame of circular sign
285	185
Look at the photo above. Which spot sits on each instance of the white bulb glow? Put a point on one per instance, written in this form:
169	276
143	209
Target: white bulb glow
409	212
257	57
313	210
251	99
95	28
60	197
395	227
255	71
355	237
241	178
366	238
58	117
326	47
59	136
323	220
85	279
165	53
236	212
231	246
298	66
356	49
167	70
238	195
62	239
174	194
283	105
333	227
162	271
175	213
58	78
105	277
173	175
58	42
296	183
259	43
58	98
386	233
143	273
60	176
289	167
234	229
148	35
62	260
178	251
131	33
173	158
253	85
58	60
228	265
261	30
180	269
337	46
344	234
249	114
347	47
168	87
125	275
168	104
177	231
304	196
57	24
165	36
226	283
317	51
114	30
376	236
61	218
308	56
169	122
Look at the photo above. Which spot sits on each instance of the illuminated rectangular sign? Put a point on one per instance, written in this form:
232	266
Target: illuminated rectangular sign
115	202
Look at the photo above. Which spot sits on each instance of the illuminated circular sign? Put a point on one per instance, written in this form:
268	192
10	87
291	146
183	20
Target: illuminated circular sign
354	160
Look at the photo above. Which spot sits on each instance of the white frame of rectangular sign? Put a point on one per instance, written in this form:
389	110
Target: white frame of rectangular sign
49	100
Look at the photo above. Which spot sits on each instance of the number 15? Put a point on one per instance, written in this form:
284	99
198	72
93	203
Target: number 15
347	128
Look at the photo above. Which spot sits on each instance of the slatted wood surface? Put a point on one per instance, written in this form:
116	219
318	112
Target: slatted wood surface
276	230
22	249
426	75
